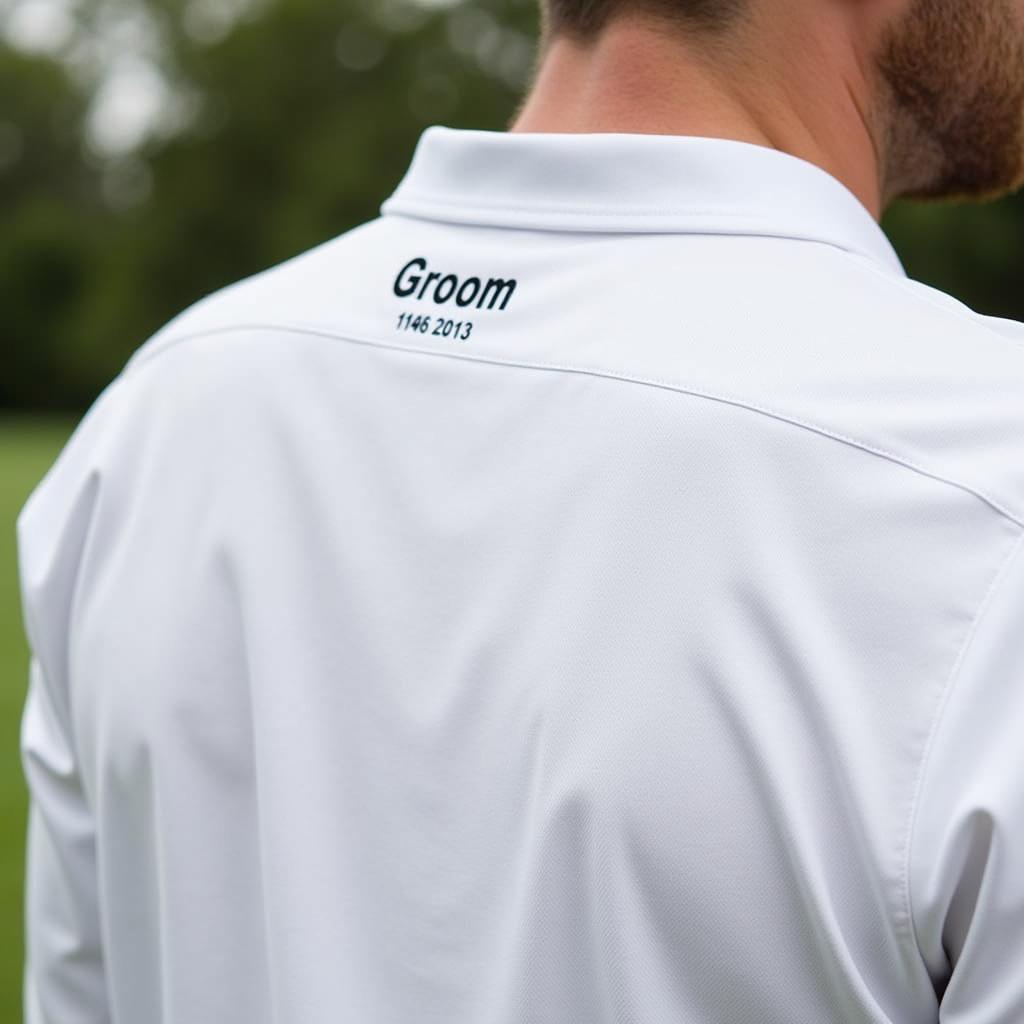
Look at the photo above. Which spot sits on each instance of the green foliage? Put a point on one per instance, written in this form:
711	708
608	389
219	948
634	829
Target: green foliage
51	222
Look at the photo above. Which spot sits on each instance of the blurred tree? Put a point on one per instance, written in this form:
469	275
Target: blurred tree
52	223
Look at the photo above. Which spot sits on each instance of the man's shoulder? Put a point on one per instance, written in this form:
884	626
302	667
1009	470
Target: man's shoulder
847	289
914	370
928	302
114	420
282	295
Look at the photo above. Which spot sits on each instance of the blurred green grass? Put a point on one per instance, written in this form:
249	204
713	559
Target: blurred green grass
28	447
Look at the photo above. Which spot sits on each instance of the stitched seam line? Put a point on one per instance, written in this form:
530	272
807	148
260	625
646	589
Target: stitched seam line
611	225
466	213
430	199
688	221
419	203
987	601
142	357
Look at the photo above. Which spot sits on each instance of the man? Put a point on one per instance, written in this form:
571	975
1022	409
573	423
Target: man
589	592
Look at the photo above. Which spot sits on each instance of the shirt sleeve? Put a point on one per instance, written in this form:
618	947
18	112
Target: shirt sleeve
64	980
966	857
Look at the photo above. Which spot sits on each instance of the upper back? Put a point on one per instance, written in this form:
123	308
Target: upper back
542	602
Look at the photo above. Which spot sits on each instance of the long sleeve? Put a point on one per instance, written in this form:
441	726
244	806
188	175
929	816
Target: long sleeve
64	980
967	850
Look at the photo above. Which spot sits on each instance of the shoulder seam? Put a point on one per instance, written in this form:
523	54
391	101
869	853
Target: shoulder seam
1003	569
141	357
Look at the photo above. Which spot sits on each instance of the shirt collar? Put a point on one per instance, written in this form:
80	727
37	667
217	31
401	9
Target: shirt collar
631	182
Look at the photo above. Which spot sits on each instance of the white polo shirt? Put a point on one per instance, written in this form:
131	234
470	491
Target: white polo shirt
590	592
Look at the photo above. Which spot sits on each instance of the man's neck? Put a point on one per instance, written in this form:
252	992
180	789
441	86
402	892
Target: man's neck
640	78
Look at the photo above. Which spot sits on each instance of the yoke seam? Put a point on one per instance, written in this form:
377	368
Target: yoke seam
141	357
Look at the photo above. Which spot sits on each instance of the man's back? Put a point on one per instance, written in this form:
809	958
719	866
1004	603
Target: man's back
583	594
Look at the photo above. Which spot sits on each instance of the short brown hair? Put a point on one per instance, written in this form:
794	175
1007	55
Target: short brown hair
583	20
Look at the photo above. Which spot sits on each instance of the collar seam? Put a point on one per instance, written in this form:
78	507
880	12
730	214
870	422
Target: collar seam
612	210
746	226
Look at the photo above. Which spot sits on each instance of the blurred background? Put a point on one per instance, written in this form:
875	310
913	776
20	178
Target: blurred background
152	151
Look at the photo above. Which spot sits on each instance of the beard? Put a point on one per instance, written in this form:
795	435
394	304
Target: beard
952	112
